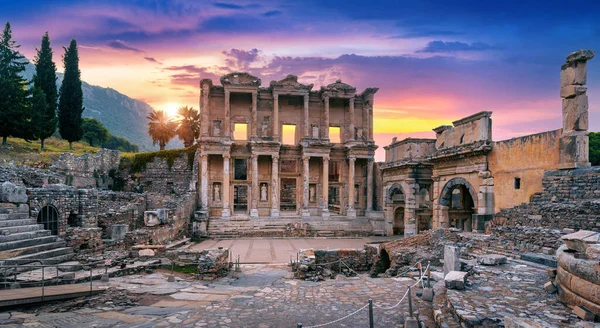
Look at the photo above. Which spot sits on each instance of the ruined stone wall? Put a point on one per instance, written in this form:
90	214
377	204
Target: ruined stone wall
409	149
525	158
468	130
120	208
515	240
30	177
88	171
569	199
160	176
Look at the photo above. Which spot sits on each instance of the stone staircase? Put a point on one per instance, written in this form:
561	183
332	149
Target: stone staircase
23	241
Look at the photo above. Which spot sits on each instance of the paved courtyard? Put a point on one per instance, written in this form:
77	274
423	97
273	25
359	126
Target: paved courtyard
277	250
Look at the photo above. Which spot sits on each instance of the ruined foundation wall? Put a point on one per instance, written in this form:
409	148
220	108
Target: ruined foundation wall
525	158
569	199
163	174
88	171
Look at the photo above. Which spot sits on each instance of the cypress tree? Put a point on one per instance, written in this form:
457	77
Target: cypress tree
13	88
38	107
45	79
70	106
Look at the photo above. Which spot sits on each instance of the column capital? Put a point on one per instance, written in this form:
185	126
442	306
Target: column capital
325	158
227	156
275	95
352	159
305	158
227	93
325	97
275	156
254	156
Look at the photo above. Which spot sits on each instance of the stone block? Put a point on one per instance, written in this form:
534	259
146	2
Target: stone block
580	240
575	113
550	288
571	91
146	252
551	273
456	280
514	322
11	193
491	259
580	55
118	231
593	252
583	313
151	218
574	151
451	259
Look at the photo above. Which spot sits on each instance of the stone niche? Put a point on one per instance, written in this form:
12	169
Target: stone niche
157	217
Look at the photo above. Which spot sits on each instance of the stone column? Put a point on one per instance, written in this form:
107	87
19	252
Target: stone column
306	117
255	189
205	122
351	132
227	119
325	192
365	121
370	184
254	114
410	205
351	212
225	191
325	133
574	142
204	191
276	117
275	186
305	162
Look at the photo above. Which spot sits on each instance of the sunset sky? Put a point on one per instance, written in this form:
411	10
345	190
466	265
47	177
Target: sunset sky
434	61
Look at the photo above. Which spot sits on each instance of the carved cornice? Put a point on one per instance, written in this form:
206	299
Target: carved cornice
241	79
290	84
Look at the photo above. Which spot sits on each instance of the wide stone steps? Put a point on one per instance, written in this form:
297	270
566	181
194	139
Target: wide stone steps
15	223
53	256
14	216
31	249
21	228
24	236
27	242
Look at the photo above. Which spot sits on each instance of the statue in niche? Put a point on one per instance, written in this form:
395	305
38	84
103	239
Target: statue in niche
315	132
217	193
217	128
359	134
312	194
263	192
265	129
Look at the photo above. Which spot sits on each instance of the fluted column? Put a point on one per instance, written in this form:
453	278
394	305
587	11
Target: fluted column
255	189
204	182
351	212
276	117
227	119
326	117
275	186
305	162
370	184
254	114
306	117
351	116
225	196
325	191
205	122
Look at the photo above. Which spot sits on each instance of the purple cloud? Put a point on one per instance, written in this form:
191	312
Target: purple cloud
121	45
454	46
241	59
152	59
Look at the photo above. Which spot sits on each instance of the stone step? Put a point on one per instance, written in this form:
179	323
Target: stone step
52	255
547	260
14	216
24	235
21	228
15	223
31	249
27	242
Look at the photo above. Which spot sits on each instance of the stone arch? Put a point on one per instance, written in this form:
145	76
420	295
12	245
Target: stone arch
49	216
446	193
392	190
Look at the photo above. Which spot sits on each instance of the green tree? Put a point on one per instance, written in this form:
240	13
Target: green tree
121	144
189	125
13	88
38	106
594	148
45	79
161	128
70	106
94	131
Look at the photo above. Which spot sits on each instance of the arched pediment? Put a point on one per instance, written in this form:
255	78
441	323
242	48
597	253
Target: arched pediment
290	83
340	86
394	192
240	79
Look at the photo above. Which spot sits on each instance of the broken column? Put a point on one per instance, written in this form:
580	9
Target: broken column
574	142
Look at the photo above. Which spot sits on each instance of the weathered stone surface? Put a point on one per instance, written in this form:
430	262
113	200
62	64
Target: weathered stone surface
151	218
580	240
593	252
11	193
550	288
456	280
146	252
514	322
575	113
491	259
580	55
451	259
570	91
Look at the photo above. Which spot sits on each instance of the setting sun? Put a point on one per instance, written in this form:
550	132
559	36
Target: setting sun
171	109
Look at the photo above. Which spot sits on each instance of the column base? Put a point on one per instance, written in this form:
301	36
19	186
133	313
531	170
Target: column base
325	213
274	213
305	213
351	213
254	213
225	213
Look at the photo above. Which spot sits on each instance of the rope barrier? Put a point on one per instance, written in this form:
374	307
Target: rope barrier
340	319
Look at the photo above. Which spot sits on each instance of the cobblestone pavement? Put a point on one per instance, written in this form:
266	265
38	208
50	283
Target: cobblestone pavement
512	289
263	296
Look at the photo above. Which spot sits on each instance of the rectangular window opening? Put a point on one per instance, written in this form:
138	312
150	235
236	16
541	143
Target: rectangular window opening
517	183
240	131
288	134
334	134
240	169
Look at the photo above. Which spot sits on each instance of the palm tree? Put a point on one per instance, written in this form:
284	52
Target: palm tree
161	128
189	125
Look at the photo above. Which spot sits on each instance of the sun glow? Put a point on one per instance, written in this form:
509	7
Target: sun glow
171	109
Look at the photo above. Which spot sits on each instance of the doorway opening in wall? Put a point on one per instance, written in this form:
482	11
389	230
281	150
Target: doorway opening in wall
288	134
398	224
460	209
335	134
335	205
423	222
240	199
48	216
288	195
240	131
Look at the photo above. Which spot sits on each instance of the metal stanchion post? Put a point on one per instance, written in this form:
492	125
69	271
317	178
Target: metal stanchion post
90	281
43	283
371	323
57	275
410	322
299	325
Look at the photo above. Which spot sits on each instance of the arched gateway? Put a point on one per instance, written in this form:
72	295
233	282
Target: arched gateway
48	216
459	203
